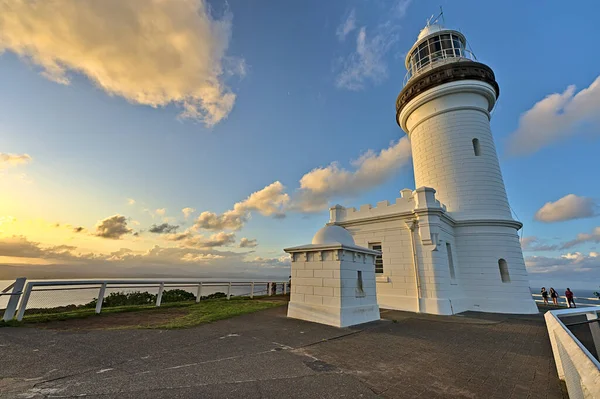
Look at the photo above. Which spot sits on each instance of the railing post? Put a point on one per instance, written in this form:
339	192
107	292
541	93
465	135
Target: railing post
100	298
24	301
13	301
199	293
161	288
269	288
229	291
252	290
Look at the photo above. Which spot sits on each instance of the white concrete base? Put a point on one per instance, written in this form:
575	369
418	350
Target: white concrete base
506	306
445	306
440	306
334	316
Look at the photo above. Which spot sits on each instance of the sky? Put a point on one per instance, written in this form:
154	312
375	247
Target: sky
199	138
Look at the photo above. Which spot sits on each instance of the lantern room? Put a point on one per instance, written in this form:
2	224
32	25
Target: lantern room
436	45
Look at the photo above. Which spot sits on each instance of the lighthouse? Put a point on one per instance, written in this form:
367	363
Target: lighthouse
450	244
444	108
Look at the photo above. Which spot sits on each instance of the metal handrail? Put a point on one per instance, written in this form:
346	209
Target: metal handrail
8	288
575	297
436	59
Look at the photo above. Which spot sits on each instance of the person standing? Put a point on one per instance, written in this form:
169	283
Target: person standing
545	295
570	300
554	296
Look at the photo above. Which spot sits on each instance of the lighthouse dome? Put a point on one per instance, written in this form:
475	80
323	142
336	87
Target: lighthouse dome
429	29
333	235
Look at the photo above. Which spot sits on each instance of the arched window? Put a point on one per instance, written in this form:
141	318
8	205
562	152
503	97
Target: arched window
503	266
476	147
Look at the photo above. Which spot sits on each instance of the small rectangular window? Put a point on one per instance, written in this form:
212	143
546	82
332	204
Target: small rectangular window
378	258
476	147
360	292
504	275
450	261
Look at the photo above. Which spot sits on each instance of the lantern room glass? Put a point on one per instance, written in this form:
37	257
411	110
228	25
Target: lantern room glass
436	48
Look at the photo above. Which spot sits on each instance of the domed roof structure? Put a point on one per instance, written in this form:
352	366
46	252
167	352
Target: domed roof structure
429	29
333	235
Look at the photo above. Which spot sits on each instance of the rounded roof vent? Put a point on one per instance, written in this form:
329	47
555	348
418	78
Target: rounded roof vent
333	235
429	29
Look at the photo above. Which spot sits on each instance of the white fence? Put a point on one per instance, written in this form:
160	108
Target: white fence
579	301
574	362
21	292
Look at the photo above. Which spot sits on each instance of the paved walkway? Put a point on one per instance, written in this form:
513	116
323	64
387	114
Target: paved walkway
266	355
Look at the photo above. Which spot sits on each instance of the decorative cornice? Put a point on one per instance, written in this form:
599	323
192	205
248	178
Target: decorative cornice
329	247
445	73
443	215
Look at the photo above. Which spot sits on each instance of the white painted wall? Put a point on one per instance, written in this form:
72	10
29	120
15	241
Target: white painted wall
476	249
441	124
325	285
574	363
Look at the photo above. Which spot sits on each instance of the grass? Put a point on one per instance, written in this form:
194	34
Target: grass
214	310
194	313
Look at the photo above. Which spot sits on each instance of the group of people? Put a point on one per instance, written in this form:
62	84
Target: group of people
554	295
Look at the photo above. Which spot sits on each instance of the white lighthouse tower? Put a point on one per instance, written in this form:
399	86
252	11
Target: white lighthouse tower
444	108
450	245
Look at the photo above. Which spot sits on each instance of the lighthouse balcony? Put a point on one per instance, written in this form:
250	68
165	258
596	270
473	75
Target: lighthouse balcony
429	61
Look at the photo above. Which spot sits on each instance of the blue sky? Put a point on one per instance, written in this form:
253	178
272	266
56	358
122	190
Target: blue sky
115	132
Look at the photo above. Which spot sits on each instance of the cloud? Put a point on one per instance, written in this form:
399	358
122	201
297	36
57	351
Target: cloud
78	229
401	7
192	240
371	169
532	244
216	240
229	220
347	26
113	227
367	62
130	201
161	211
556	117
568	207
10	160
282	261
21	247
195	258
150	52
566	265
164	228
317	188
247	243
594	237
187	212
270	201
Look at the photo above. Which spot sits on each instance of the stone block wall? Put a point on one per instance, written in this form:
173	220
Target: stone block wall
470	186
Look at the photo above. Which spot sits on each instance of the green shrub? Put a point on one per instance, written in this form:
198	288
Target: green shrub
146	298
177	295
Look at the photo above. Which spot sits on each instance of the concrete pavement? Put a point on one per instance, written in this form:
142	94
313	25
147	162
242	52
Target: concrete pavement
266	355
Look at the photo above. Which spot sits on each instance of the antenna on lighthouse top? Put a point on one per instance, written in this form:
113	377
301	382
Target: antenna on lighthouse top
435	21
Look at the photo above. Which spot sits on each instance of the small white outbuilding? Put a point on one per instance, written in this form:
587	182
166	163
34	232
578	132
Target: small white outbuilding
333	280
